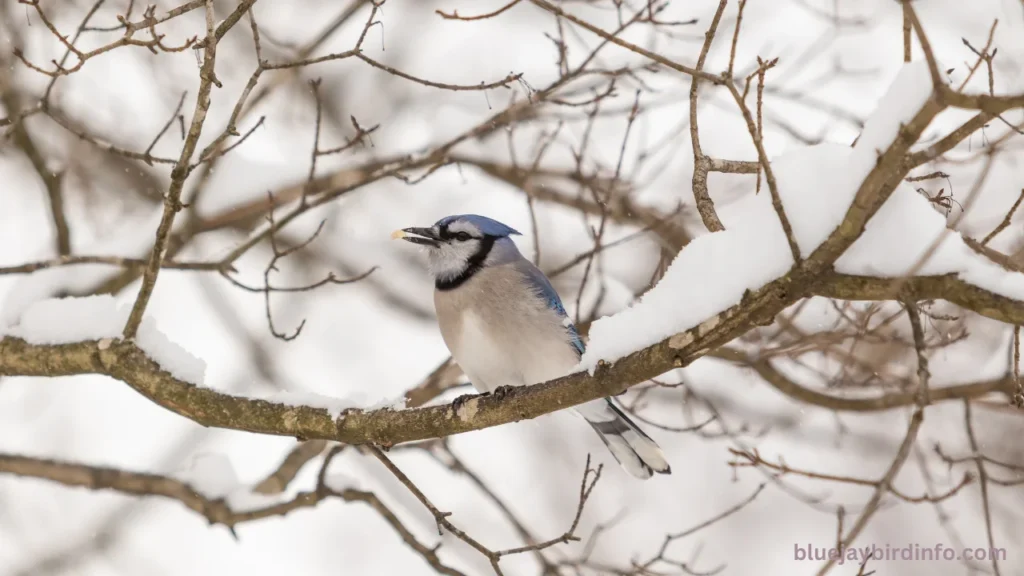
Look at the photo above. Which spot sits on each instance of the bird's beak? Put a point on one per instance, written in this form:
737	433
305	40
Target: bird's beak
423	236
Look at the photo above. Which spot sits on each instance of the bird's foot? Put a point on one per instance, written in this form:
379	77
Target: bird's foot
501	391
459	401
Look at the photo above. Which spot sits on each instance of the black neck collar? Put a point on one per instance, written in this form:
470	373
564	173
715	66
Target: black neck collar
473	265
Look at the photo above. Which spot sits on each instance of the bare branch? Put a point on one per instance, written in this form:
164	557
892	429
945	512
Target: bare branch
701	164
172	202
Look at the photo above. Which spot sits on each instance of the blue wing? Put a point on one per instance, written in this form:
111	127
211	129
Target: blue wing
539	282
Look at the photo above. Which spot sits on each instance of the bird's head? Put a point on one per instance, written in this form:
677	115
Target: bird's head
458	246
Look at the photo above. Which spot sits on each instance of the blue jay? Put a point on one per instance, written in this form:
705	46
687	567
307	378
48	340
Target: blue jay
505	325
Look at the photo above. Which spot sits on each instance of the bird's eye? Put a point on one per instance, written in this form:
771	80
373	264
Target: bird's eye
462	236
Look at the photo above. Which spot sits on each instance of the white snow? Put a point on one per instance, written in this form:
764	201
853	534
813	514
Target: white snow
211	474
903	231
992	277
128	237
817	184
906	95
67	320
176	360
707	276
340	482
388	404
214	477
816	181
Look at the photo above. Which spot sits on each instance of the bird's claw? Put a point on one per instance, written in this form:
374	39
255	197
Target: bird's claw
459	401
501	391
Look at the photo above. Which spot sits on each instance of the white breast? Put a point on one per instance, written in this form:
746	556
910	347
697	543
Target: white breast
493	358
486	364
501	334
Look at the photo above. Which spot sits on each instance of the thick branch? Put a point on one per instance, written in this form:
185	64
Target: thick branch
124	361
946	287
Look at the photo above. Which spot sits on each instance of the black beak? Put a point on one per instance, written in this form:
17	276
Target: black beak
424	236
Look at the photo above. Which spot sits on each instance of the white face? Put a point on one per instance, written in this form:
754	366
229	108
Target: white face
459	243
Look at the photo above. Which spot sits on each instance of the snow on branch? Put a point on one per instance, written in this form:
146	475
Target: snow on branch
719	286
67	320
819	187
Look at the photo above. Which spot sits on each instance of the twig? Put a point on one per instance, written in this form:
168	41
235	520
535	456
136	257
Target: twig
923	374
1018	395
983	480
982	56
670	538
278	255
590	478
278	480
715	79
172	202
441	518
762	156
701	164
455	13
29	267
735	38
883	486
906	34
753	458
1006	220
148	23
174	116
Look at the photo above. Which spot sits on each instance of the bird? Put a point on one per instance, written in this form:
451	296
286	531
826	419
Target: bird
505	326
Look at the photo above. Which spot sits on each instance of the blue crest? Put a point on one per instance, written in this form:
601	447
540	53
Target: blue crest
483	223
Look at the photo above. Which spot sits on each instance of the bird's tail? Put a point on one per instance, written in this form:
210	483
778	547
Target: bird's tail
634	450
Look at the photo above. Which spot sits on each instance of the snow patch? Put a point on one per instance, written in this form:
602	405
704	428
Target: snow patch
56	321
706	277
817	185
906	229
903	231
212	475
339	482
906	96
388	404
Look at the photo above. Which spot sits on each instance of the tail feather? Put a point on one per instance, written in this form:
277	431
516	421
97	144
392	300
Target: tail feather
634	450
